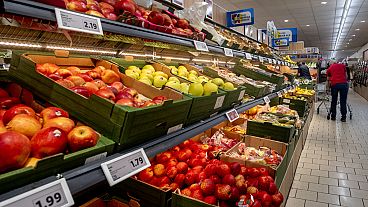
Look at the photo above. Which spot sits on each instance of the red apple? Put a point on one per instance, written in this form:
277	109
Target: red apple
82	137
228	179
190	178
194	186
74	70
93	74
159	99
15	110
63	73
111	2
25	124
234	196
104	5
41	69
111	16
53	112
55	77
125	5
48	141
106	93
99	83
82	90
112	89
118	85
171	172
272	189
208	186
85	77
210	200
159	170
131	91
3	93
277	199
95	13
182	23
167	20
62	123
197	194
223	170
146	175
94	6
8	102
124	95
65	83
265	198
156	18
125	102
91	86
186	192
216	179
174	186
223	191
78	81
163	157
235	168
179	179
148	103
27	97
109	76
99	69
77	6
15	149
182	167
14	90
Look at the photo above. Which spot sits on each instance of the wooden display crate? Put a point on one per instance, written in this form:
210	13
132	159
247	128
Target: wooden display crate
125	125
201	107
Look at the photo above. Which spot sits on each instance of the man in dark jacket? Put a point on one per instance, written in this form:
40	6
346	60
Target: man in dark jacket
303	71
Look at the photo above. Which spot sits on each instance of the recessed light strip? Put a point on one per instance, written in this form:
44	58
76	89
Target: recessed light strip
342	23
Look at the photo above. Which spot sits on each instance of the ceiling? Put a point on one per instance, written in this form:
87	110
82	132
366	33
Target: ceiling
323	20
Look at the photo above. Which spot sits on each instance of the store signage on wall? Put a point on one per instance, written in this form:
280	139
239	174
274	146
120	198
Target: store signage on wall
178	2
240	17
209	13
291	33
280	42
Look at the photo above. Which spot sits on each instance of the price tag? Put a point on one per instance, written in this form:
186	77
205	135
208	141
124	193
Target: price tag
266	99
54	194
260	59
121	168
78	22
269	60
241	95
219	102
279	62
285	90
174	128
279	94
200	46
248	56
232	115
286	100
228	52
274	61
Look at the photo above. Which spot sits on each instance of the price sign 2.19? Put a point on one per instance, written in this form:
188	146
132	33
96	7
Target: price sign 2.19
120	168
54	194
70	20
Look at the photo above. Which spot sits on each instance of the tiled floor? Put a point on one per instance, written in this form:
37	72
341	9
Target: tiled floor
333	168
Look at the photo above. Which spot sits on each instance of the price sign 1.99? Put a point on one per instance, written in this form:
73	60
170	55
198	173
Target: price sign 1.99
54	194
78	22
121	168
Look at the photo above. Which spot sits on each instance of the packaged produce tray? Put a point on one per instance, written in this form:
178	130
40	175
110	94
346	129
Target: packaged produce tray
125	125
278	171
201	106
37	169
282	133
259	75
256	91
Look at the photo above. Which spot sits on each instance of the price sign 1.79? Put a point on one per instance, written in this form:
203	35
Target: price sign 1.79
54	194
78	22
120	168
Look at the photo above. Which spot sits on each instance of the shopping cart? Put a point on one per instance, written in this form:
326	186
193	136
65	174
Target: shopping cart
324	96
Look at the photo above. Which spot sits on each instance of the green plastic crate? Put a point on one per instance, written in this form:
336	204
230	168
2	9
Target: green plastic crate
298	105
258	75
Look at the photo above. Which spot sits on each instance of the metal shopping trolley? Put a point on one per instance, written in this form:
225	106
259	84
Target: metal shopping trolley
324	96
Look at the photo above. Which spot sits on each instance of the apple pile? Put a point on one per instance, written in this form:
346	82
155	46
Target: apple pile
158	79
100	81
188	167
25	133
112	9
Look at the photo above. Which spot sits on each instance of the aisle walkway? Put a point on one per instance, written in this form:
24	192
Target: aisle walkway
333	168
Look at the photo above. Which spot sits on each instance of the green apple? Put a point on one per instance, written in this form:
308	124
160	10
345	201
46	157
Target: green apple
145	80
218	81
149	67
174	71
132	74
202	79
173	67
182	68
183	74
192	78
184	87
149	76
193	72
209	88
195	89
159	81
175	79
134	68
173	84
229	86
147	71
161	74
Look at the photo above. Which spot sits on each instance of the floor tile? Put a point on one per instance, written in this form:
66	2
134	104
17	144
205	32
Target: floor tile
357	177
349	184
318	187
315	204
293	202
292	193
337	175
328	181
363	185
349	201
309	178
328	198
322	173
338	190
306	195
345	170
359	193
300	185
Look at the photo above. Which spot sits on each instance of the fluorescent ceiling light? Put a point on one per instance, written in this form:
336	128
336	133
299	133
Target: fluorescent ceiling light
324	2
357	29
362	21
347	43
286	20
307	25
353	35
15	44
342	22
350	39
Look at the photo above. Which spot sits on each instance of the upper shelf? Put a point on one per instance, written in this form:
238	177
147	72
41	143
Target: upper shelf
46	12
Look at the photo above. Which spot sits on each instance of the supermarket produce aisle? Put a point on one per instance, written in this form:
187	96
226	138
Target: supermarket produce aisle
333	167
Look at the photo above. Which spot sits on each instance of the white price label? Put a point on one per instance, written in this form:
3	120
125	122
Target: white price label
219	102
241	95
260	59
200	46
274	61
285	90
174	128
286	100
70	20
266	99
228	52
279	94
121	168
248	56
54	194
279	62
232	115
269	60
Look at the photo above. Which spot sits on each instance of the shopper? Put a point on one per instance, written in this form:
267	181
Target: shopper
337	76
303	71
